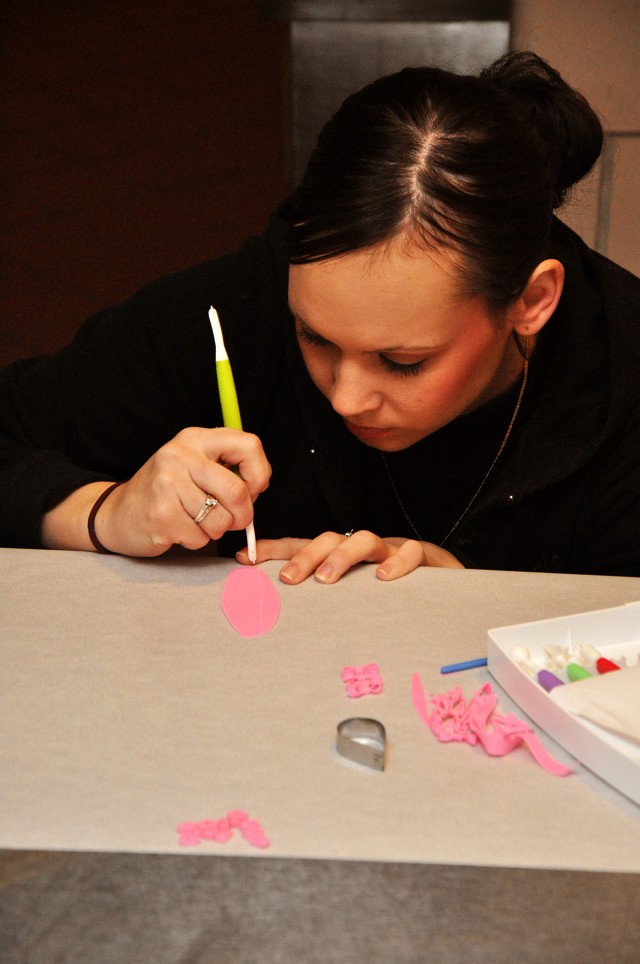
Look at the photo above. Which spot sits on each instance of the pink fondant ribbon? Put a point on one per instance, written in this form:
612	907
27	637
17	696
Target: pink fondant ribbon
250	601
451	718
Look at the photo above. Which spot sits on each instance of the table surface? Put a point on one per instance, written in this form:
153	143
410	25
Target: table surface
129	704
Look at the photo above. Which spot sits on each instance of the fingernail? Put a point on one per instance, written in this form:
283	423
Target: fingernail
324	572
290	572
382	572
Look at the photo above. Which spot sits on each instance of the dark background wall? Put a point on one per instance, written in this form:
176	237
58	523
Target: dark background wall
135	139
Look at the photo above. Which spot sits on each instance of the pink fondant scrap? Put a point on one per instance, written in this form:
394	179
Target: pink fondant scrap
220	831
362	680
451	718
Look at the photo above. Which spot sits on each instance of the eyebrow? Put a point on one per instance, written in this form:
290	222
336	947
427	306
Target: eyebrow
401	349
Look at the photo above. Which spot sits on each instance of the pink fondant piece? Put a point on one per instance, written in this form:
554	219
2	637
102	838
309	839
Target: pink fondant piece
220	831
451	718
236	818
542	756
419	700
250	601
362	680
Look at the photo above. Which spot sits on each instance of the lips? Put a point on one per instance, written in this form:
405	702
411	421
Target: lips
366	432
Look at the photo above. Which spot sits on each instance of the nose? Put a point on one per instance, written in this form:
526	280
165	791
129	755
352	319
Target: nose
353	391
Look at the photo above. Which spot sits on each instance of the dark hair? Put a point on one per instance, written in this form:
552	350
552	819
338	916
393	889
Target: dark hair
473	164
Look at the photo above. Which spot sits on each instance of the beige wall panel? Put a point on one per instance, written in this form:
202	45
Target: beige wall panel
595	44
622	241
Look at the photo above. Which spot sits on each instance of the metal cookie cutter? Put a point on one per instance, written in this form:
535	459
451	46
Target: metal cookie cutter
362	741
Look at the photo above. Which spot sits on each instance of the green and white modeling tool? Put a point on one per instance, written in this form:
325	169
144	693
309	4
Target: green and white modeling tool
229	403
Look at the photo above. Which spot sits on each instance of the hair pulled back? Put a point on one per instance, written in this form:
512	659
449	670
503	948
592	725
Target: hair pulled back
471	164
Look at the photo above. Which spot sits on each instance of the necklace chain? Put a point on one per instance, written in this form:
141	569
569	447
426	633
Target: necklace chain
474	497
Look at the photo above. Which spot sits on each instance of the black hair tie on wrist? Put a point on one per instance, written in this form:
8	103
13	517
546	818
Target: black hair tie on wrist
91	521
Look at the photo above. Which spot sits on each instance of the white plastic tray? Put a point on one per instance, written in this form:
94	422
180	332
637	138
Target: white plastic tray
615	633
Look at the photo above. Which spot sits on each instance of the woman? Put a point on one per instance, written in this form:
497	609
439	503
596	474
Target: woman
431	369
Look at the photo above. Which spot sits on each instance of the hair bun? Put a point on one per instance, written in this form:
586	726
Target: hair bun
565	121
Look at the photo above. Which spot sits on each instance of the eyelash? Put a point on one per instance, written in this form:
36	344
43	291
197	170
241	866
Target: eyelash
394	368
309	338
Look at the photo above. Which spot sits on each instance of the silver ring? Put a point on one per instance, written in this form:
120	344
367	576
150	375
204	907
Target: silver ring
206	507
348	534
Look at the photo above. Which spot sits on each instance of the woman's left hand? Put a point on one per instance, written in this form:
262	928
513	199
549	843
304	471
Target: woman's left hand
330	555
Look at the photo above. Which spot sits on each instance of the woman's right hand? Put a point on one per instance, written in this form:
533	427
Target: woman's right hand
156	508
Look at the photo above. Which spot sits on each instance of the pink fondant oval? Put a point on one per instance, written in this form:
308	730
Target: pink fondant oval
250	601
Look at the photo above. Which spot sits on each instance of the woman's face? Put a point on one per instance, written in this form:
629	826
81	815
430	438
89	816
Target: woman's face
391	343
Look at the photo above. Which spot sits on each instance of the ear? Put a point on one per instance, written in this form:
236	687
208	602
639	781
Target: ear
530	313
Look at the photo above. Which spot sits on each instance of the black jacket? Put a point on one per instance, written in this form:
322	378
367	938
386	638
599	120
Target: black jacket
565	495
